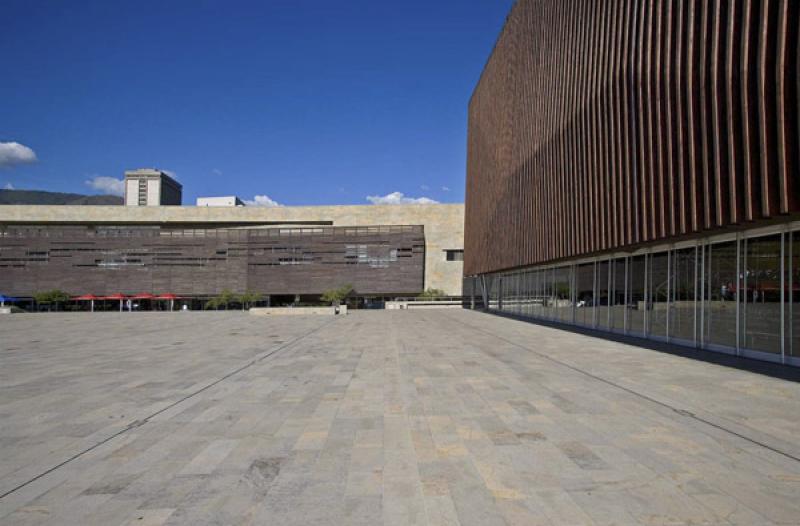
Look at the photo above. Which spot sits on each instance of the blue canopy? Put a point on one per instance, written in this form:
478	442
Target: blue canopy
7	299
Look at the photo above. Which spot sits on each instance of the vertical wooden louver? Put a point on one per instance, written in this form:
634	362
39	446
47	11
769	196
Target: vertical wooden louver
608	124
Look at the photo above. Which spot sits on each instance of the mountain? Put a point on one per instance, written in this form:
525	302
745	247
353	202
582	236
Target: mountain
39	197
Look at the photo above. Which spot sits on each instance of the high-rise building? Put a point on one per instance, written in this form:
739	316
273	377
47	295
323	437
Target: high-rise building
633	167
151	187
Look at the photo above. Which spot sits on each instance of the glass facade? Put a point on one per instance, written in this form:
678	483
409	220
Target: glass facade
722	292
762	294
738	294
637	300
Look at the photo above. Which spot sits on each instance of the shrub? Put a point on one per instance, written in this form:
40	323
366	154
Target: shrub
337	295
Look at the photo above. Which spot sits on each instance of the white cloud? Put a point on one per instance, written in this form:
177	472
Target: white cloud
398	198
14	153
445	189
106	185
8	186
262	200
216	171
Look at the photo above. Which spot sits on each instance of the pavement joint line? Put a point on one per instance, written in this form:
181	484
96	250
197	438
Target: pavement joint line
142	421
677	410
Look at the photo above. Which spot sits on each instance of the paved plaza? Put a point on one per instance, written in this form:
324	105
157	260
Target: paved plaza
389	417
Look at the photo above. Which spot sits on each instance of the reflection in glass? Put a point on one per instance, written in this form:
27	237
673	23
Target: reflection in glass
563	294
617	297
584	294
603	268
720	304
659	288
683	286
536	294
547	293
762	294
636	298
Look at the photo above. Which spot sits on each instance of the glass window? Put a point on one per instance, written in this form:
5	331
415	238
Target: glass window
636	294
454	255
617	297
563	294
762	294
683	285
720	304
659	288
538	295
603	268
547	286
584	294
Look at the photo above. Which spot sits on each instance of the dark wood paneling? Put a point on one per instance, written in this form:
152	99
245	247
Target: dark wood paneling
604	125
203	262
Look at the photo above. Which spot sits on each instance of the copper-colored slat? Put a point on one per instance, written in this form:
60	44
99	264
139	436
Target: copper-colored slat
719	103
692	90
627	143
584	123
659	127
642	127
592	131
766	106
787	32
607	131
602	125
749	86
682	165
668	168
635	119
618	89
733	111
706	97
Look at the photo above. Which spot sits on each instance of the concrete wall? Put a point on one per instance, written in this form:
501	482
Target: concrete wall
444	224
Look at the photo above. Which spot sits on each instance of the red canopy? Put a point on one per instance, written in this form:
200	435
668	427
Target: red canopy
86	297
116	296
143	296
167	297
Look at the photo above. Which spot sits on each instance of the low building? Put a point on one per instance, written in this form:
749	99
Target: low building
151	187
383	251
229	200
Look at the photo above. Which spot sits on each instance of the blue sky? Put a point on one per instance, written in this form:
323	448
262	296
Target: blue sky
305	101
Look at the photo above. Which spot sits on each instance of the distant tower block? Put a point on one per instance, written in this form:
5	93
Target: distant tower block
151	187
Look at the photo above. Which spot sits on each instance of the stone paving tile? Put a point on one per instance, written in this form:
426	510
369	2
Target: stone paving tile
440	417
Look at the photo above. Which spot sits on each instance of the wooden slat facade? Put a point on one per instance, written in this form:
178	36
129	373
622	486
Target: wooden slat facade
606	125
100	260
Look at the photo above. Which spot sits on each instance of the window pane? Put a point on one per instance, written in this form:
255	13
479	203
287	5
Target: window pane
636	300
683	285
618	295
720	305
659	270
535	309
762	307
547	293
603	268
585	294
563	294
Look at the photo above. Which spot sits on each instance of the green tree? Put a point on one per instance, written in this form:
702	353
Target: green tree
51	297
249	298
431	294
223	299
337	295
